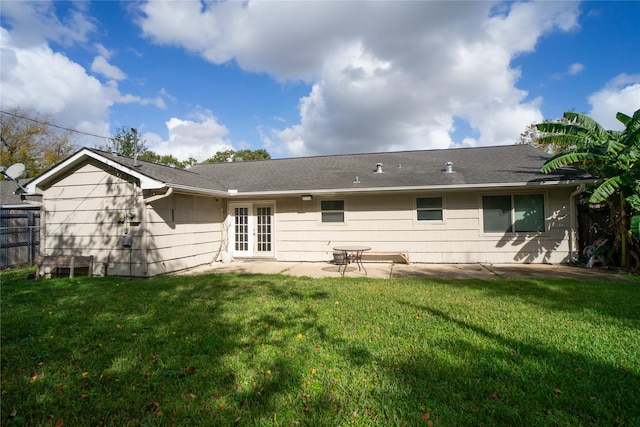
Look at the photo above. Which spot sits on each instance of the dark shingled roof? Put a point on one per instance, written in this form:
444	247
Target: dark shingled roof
426	168
513	164
166	174
8	197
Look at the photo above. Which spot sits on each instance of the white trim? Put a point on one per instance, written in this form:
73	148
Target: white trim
344	211
429	223
197	190
252	228
545	206
460	187
146	183
250	225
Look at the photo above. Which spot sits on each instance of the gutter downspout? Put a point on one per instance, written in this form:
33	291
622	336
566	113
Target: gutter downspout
145	237
158	197
572	220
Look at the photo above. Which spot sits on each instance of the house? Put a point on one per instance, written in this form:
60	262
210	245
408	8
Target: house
19	225
465	205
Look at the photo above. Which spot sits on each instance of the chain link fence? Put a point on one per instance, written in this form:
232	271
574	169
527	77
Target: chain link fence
19	239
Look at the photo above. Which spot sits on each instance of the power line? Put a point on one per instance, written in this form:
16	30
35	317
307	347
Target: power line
54	125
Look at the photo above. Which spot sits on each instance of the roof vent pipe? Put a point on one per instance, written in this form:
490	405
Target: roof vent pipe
448	167
379	168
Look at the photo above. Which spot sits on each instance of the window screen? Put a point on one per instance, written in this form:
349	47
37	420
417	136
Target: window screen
497	214
429	208
529	213
332	210
523	213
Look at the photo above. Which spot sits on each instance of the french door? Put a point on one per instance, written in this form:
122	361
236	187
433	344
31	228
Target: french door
251	230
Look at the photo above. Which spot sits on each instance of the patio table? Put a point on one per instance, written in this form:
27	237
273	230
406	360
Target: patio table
353	252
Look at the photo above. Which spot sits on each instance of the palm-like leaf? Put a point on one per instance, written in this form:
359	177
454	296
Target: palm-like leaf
565	159
605	190
634	202
562	140
635	226
612	155
586	122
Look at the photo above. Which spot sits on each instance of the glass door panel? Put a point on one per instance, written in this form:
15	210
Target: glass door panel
264	230
251	230
241	229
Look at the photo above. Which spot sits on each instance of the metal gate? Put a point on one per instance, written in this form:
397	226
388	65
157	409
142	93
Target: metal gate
19	237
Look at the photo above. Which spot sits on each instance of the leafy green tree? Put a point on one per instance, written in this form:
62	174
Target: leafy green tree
33	140
167	159
238	156
613	156
125	143
532	136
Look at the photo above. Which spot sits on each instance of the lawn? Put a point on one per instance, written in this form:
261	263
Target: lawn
227	349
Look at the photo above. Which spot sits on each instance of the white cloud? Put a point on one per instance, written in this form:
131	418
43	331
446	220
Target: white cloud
35	77
199	138
49	83
103	51
35	21
620	94
575	68
384	75
101	66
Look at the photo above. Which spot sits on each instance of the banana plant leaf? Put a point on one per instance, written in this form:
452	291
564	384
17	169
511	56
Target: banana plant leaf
635	226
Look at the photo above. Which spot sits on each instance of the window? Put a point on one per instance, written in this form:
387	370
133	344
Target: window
332	210
497	214
429	208
508	214
529	213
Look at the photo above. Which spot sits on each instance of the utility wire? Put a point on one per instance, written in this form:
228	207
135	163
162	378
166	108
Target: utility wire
54	125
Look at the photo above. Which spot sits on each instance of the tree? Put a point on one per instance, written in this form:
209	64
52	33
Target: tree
238	156
532	136
127	143
33	140
613	156
167	160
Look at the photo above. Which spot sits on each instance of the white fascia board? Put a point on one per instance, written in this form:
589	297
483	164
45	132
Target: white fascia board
146	183
197	190
417	188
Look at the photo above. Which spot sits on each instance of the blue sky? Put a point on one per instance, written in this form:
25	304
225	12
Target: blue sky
317	78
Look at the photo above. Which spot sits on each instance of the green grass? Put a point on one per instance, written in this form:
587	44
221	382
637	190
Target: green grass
279	350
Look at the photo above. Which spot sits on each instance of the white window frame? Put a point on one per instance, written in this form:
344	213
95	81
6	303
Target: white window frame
343	211
443	208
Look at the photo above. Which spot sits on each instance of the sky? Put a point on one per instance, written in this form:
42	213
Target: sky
317	77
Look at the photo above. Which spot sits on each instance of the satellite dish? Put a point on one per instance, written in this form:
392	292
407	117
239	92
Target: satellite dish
15	171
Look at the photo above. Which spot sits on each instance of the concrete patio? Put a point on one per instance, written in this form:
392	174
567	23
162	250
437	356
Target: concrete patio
390	270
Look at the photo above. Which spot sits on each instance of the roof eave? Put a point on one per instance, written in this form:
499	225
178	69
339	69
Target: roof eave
559	183
197	190
146	183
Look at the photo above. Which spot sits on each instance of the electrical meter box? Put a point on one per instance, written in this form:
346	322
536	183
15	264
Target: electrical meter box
127	241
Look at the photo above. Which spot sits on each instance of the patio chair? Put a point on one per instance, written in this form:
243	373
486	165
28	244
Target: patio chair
594	256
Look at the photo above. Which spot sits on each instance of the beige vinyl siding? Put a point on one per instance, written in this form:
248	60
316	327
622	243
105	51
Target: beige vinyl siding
184	231
83	213
86	215
388	223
